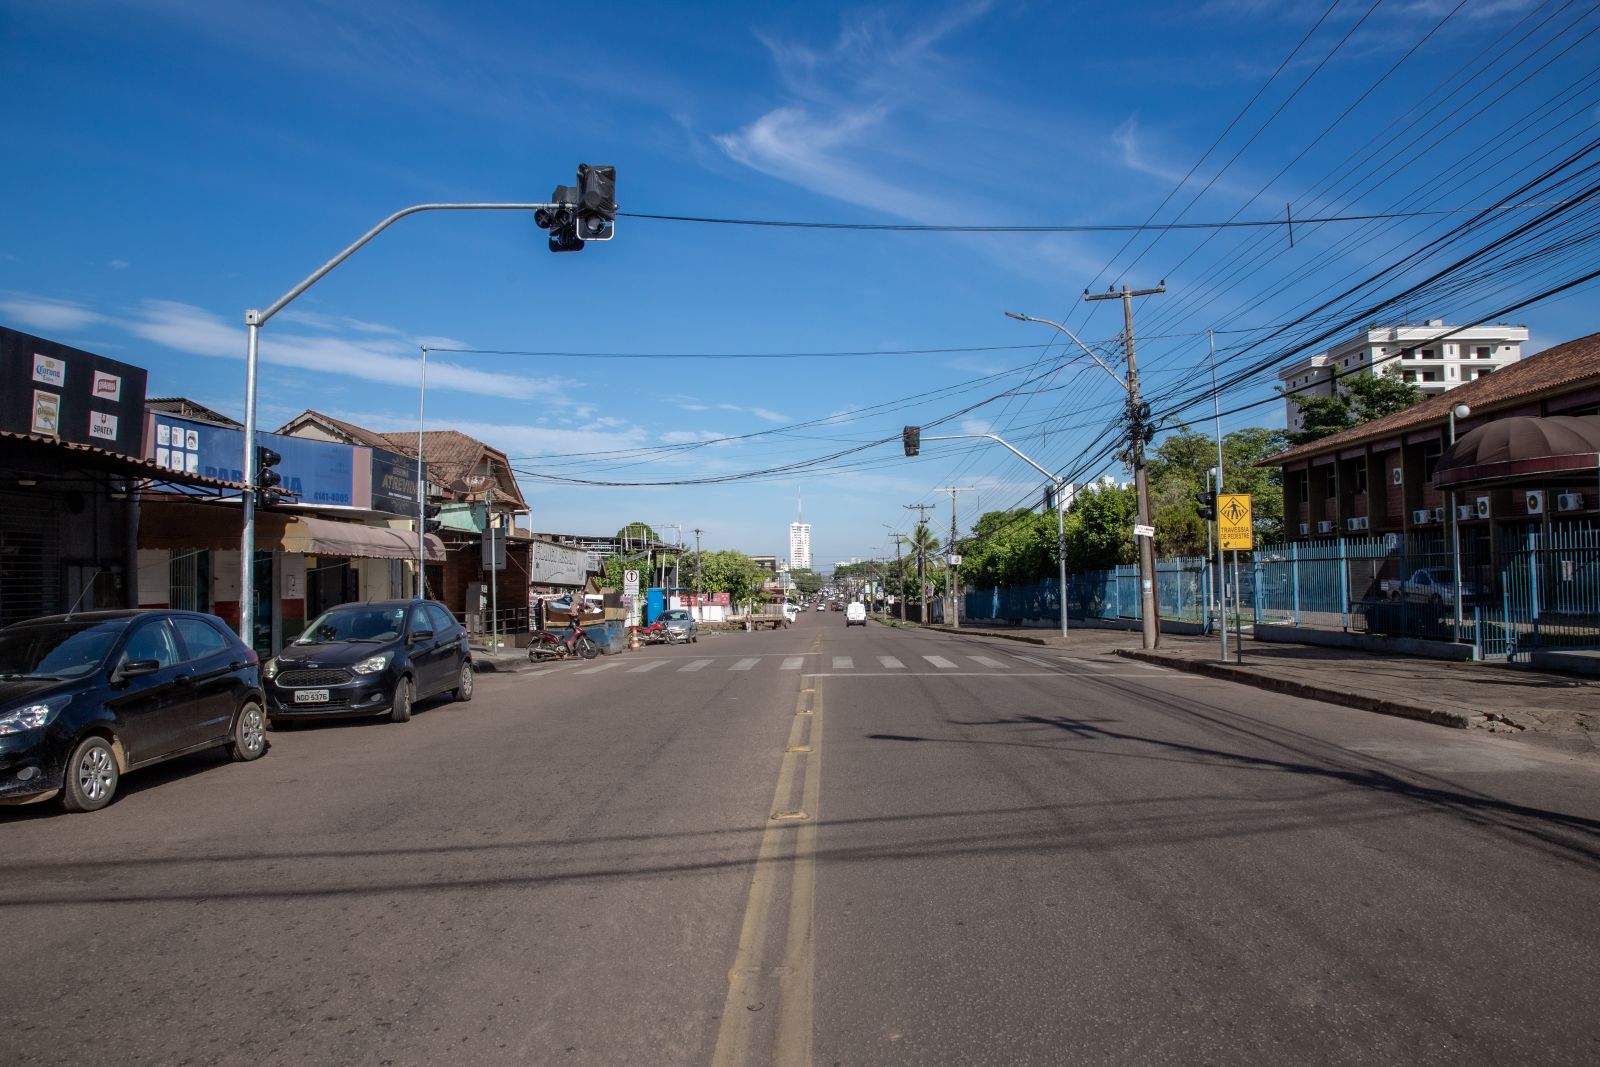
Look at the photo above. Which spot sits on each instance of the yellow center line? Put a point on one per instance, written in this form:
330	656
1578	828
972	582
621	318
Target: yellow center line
743	1008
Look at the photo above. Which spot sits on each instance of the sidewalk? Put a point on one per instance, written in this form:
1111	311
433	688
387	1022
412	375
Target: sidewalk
1543	708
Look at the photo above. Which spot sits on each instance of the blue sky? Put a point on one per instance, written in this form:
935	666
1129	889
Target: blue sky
174	162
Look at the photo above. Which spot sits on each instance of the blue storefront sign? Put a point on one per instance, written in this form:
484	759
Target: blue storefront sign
313	472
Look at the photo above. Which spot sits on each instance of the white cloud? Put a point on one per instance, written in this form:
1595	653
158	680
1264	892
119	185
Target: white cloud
44	313
118	264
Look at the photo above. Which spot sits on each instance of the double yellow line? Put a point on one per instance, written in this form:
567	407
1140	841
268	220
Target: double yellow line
771	976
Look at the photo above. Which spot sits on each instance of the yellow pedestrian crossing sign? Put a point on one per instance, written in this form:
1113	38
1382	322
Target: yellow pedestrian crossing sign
1234	524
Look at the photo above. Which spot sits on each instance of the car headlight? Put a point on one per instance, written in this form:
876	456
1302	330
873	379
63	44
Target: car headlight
269	669
373	664
32	716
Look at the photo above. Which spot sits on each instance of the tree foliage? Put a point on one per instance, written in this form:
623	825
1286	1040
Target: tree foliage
807	582
1358	398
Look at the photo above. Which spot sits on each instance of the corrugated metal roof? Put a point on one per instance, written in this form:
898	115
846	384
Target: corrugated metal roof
124	464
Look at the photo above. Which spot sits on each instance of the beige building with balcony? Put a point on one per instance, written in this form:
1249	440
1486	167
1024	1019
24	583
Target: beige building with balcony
1433	356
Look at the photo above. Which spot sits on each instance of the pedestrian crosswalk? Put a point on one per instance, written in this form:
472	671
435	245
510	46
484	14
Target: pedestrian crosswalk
812	663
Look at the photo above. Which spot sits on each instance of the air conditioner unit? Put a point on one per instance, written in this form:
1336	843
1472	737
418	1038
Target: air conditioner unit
1481	506
1422	516
1359	522
1305	528
1465	512
1438	513
1535	499
1397	477
1325	526
1569	502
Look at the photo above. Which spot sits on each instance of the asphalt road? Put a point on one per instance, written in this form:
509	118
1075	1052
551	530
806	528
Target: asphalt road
822	845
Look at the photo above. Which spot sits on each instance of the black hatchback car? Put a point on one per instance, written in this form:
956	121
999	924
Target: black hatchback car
85	698
376	658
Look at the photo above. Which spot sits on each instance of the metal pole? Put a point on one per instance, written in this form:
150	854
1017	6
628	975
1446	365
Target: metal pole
422	489
247	498
699	608
254	320
1455	541
1238	608
1222	578
1061	555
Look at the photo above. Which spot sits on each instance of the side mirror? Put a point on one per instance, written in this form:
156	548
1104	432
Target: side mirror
421	635
135	668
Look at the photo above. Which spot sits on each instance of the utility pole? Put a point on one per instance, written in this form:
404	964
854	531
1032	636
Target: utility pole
952	558
1138	434
922	558
900	574
699	608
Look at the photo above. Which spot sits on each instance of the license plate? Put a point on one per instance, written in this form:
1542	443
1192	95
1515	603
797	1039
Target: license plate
310	696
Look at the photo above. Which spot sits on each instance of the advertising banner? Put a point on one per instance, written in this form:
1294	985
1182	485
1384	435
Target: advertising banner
394	483
53	390
314	472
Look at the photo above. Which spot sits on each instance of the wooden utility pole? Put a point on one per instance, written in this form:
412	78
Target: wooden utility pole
953	617
1138	432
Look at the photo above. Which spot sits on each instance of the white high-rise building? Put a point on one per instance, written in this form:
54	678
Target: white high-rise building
799	546
1434	357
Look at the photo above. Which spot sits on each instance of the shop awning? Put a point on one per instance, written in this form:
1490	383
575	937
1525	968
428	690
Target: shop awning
177	524
330	537
1528	448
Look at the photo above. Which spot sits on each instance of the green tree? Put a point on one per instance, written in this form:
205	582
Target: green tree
1359	398
1178	473
1100	528
808	582
733	573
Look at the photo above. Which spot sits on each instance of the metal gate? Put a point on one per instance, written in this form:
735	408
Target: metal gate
30	557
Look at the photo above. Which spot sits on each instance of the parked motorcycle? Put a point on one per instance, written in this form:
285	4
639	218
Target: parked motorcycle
544	645
654	634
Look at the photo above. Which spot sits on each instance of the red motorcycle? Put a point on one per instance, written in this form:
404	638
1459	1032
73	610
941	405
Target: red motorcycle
654	634
544	645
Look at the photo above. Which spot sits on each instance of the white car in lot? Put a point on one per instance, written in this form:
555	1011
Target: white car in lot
855	614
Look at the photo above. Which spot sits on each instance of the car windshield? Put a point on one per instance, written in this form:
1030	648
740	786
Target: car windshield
355	623
57	650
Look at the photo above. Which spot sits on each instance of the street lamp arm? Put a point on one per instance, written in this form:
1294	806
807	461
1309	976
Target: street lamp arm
1055	479
259	318
1086	349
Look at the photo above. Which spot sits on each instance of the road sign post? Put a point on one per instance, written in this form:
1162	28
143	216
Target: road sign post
1236	533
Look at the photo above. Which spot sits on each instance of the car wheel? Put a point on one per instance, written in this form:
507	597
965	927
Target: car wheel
463	691
400	710
249	739
92	776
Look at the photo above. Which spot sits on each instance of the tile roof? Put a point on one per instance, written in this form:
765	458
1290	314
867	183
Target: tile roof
358	434
1566	365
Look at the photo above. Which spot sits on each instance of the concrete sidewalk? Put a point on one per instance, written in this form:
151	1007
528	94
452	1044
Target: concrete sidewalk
1543	708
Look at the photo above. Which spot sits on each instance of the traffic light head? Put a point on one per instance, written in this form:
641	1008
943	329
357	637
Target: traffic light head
911	438
267	479
1206	503
561	219
597	202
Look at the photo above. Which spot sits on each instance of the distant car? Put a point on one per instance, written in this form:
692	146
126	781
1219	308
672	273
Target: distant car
821	606
87	697
791	612
680	625
855	614
376	658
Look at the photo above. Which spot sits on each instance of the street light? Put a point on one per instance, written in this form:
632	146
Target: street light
254	320
1057	484
1459	411
1137	413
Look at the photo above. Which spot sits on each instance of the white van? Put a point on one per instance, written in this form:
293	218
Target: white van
855	614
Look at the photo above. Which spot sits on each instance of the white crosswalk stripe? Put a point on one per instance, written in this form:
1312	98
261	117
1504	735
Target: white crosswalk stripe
652	665
745	664
891	663
793	663
696	665
940	662
597	668
987	661
843	663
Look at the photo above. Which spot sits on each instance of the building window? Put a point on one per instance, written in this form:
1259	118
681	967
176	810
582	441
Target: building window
1430	459
1481	353
1332	476
1430	353
1358	477
1304	482
1430	375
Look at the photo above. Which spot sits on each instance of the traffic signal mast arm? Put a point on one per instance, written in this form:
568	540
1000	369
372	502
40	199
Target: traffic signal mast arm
997	439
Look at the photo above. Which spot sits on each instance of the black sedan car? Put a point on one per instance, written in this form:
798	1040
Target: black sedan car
85	698
376	658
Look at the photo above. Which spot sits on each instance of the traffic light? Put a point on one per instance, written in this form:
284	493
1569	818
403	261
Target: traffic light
268	479
430	518
561	220
597	202
1207	504
911	437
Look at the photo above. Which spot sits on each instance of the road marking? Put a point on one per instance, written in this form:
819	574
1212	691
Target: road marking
696	665
891	662
652	665
745	664
596	669
987	662
940	662
793	663
1091	664
843	663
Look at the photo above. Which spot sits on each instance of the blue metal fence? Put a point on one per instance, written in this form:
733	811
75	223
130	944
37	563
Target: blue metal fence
1532	586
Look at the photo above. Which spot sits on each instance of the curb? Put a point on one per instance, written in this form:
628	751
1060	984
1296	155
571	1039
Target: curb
510	665
977	633
1400	709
